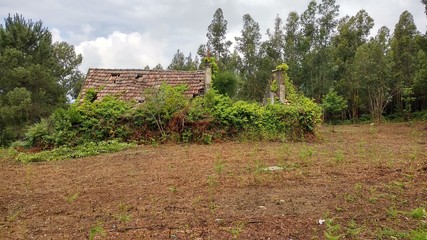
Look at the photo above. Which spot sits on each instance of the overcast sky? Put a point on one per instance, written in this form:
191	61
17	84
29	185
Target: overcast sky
136	33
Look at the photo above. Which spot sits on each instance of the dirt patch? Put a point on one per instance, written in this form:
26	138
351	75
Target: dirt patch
356	175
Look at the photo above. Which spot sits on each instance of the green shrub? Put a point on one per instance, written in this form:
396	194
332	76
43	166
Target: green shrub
420	116
226	83
39	135
161	106
83	150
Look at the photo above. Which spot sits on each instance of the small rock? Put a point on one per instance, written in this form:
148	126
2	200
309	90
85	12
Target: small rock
263	207
321	221
273	168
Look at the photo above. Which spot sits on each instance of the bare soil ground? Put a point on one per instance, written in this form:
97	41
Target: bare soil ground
365	178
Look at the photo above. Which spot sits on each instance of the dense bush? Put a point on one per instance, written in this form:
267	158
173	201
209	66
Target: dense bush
226	83
168	115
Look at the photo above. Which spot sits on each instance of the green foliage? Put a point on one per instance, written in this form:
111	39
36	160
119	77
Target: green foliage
161	106
38	134
15	113
91	95
89	128
418	213
282	67
333	103
83	150
226	83
217	42
180	62
35	75
96	230
214	66
71	198
408	99
295	120
420	116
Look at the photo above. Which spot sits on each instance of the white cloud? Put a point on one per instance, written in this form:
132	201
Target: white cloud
122	50
56	35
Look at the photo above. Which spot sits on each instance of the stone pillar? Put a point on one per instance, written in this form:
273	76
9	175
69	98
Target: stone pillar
271	97
208	76
278	75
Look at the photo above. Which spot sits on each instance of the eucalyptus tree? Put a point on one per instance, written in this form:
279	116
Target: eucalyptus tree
217	42
306	47
372	67
248	45
275	42
404	51
318	25
425	5
324	68
352	33
328	12
291	54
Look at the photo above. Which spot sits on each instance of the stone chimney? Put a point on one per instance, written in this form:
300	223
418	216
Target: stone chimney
208	76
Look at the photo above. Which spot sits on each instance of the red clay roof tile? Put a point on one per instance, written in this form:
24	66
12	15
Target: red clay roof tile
130	84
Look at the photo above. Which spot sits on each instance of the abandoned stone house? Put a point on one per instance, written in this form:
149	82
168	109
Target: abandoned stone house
131	84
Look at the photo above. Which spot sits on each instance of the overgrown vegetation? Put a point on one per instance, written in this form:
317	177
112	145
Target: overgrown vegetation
106	125
63	152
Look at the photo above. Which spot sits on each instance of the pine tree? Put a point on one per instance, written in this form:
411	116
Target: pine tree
36	75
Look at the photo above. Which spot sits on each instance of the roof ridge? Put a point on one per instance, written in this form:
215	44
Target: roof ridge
148	70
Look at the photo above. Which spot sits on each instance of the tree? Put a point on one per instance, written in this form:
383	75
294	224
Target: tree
404	52
352	33
333	104
323	58
178	61
420	81
372	68
70	78
248	46
226	83
30	63
217	42
425	4
291	52
274	44
191	64
158	67
328	11
308	28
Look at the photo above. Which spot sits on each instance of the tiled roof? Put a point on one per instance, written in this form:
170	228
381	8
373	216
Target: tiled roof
130	84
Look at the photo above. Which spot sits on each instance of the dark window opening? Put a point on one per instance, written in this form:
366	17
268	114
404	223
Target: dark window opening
115	74
138	76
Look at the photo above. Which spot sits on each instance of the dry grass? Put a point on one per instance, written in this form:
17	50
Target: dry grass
363	180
